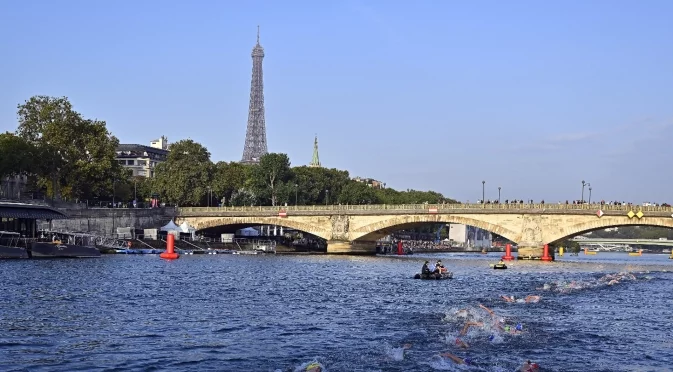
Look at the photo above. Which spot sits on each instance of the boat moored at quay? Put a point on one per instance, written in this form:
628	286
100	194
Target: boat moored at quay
19	237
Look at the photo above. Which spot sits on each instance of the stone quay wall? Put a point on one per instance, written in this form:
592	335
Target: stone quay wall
105	221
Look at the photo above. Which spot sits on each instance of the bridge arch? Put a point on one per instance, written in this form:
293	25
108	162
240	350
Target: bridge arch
604	223
200	223
384	227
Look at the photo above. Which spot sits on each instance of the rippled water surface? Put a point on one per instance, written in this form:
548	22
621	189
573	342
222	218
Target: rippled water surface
277	313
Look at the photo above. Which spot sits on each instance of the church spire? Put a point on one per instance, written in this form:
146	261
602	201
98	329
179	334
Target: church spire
315	161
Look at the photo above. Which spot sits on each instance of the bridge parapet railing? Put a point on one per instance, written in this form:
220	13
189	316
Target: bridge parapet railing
417	207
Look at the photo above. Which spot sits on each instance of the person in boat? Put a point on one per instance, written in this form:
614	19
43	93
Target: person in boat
501	263
425	270
439	267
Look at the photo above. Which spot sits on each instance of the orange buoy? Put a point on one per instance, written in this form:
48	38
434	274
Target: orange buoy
508	253
170	254
545	253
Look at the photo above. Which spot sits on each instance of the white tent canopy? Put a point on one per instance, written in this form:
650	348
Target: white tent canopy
248	231
171	226
186	228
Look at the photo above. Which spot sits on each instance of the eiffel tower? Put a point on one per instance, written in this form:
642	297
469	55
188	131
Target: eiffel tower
255	136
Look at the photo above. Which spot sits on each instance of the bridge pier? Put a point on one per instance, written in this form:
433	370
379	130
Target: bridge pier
355	247
533	253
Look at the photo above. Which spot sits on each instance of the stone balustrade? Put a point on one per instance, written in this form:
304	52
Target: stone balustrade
374	208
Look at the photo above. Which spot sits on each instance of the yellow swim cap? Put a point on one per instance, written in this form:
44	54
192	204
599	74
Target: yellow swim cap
312	366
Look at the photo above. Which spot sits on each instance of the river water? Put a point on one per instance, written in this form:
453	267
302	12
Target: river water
279	313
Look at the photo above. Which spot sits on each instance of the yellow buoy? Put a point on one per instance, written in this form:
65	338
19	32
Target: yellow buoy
560	251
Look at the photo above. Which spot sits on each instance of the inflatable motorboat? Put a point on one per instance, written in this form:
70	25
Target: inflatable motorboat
499	267
434	276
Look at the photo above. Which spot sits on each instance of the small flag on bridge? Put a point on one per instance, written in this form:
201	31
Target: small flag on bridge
282	214
600	213
432	210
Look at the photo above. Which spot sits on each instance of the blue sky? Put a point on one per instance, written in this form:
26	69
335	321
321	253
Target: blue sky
531	96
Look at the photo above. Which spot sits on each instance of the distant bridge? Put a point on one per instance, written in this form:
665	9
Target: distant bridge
624	241
356	228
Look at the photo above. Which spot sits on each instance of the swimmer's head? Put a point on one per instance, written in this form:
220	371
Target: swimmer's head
519	327
313	367
427	262
467	361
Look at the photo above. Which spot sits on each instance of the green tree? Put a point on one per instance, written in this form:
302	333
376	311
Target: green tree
81	152
142	188
228	178
184	177
314	184
269	176
17	156
357	193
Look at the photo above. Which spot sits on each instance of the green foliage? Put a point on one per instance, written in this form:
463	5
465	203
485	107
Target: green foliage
634	232
390	196
269	177
568	245
183	179
358	193
77	155
228	178
17	156
316	185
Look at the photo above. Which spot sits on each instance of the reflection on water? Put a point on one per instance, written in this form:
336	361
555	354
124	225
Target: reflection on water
282	313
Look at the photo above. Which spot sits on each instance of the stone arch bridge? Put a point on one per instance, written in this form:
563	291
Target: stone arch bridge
354	229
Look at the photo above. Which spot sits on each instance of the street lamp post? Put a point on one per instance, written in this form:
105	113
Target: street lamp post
499	194
483	192
296	193
135	189
582	200
326	197
114	181
589	194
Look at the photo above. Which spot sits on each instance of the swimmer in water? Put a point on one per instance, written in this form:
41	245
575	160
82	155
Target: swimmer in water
462	344
508	299
467	326
487	309
456	359
314	367
529	367
532	299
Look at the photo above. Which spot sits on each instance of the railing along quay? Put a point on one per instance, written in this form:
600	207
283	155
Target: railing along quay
432	207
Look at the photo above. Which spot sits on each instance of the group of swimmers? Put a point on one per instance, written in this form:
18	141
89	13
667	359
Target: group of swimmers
497	323
562	286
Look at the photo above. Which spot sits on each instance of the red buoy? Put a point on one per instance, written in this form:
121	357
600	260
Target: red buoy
545	253
508	253
170	254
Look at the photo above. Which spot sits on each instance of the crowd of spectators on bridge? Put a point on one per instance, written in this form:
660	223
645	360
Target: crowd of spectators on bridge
574	202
